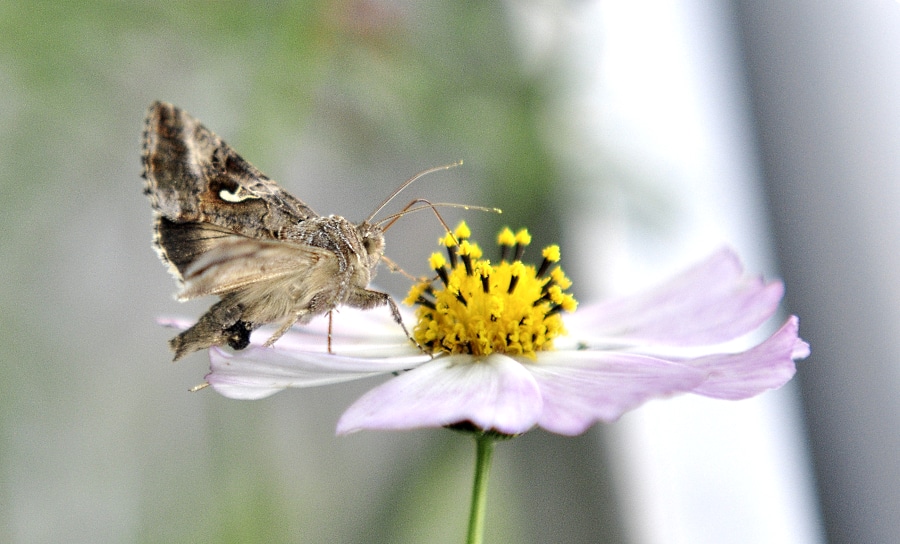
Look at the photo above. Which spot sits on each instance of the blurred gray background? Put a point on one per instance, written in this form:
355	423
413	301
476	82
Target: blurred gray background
340	102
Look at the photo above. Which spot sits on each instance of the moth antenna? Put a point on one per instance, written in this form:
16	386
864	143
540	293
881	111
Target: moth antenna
409	182
391	219
406	209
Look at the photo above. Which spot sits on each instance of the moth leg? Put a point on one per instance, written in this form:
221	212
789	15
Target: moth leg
329	330
286	326
317	305
366	299
222	324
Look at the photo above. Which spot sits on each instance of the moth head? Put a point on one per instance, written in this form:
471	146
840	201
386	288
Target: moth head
372	238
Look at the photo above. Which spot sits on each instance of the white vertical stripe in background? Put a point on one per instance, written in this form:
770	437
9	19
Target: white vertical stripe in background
663	96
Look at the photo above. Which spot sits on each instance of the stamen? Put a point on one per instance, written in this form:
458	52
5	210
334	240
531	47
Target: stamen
545	264
520	251
559	278
438	263
461	298
505	240
422	301
551	255
451	255
522	240
467	260
516	270
465	253
513	281
442	273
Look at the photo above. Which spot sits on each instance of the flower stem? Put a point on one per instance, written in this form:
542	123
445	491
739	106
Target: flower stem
484	444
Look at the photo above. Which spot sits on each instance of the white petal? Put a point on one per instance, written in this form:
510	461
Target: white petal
495	392
256	373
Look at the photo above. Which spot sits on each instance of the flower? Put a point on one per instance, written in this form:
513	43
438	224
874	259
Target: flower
499	358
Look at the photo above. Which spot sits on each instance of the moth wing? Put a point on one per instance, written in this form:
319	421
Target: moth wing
210	260
194	176
235	262
180	244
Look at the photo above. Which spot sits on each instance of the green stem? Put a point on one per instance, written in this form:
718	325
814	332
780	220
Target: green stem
484	443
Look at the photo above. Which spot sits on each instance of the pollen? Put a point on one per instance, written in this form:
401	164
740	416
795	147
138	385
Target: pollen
477	307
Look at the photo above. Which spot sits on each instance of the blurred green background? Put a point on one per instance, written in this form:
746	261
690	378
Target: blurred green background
338	101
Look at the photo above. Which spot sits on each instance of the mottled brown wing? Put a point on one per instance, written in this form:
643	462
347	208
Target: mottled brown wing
180	244
194	177
236	262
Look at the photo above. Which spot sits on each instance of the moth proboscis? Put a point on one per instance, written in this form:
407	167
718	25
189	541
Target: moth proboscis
226	229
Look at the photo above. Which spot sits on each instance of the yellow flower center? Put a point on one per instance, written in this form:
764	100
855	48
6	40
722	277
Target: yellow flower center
479	308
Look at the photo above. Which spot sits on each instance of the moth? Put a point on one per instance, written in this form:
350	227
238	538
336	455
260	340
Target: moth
226	229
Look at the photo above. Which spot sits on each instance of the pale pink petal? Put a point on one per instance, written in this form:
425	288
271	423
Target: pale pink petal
374	347
257	373
495	392
767	366
580	388
374	324
710	303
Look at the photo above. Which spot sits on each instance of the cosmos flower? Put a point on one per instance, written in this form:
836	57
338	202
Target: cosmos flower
494	352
